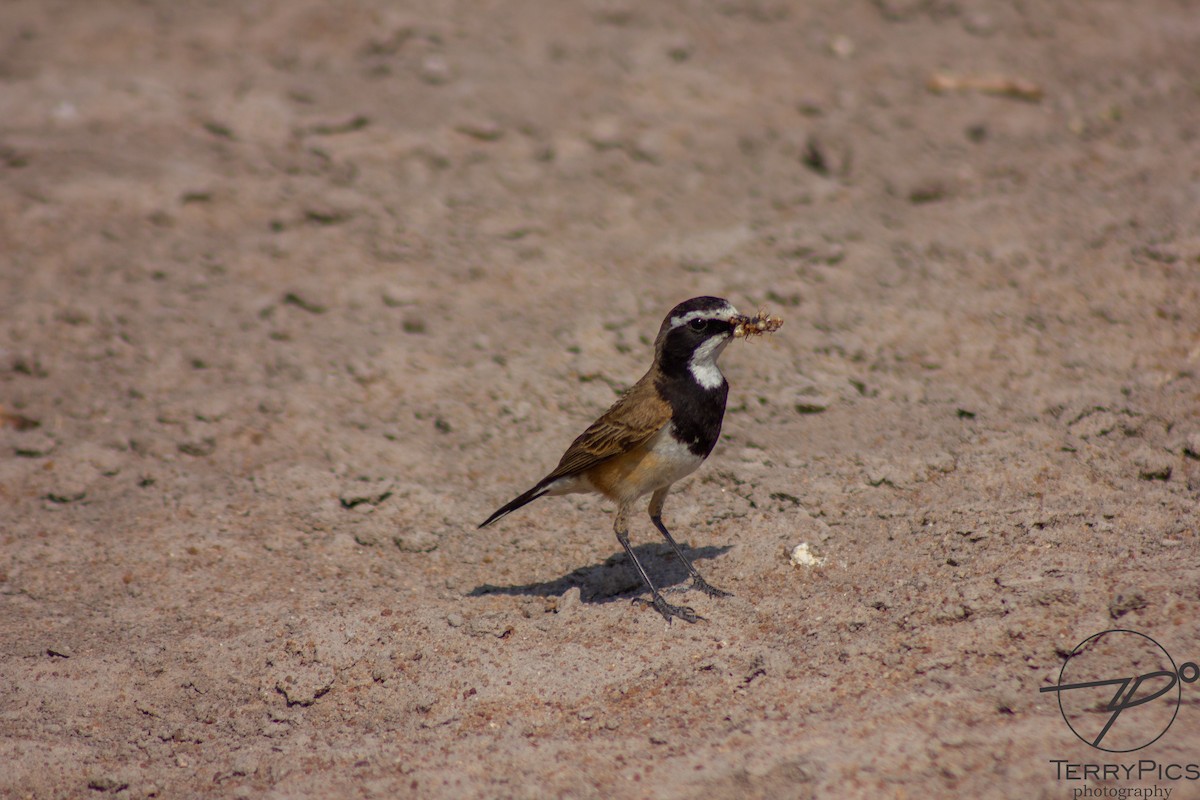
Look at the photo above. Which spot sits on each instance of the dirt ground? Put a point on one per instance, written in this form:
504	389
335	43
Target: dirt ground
294	294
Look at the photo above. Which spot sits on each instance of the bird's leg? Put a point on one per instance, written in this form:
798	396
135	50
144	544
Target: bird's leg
621	527
656	504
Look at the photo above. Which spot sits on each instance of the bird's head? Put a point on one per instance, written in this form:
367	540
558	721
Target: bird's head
692	337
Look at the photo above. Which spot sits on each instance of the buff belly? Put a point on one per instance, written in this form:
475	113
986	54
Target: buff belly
659	462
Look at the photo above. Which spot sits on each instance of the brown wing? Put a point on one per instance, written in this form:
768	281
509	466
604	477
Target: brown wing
638	415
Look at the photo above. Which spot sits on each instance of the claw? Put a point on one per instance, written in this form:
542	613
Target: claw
659	604
708	588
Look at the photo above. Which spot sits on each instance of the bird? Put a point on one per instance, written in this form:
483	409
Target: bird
658	432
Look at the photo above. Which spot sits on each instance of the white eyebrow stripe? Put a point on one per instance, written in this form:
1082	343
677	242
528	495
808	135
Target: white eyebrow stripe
727	313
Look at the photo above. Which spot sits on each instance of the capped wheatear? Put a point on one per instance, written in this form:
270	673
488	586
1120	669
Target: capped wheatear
659	431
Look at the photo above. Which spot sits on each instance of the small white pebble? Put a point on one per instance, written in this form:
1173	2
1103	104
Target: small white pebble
841	46
803	556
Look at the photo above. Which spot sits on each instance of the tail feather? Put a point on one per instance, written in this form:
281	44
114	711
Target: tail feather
514	504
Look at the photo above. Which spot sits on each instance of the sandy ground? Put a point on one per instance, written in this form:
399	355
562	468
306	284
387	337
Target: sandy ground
292	295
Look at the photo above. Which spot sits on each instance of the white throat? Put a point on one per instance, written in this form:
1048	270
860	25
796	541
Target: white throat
703	363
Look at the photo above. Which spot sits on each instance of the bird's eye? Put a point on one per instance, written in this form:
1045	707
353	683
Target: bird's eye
699	325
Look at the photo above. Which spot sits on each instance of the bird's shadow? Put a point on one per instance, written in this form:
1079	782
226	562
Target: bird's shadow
614	577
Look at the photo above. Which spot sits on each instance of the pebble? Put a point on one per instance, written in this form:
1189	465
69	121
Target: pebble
570	601
416	542
606	133
199	448
841	46
813	404
1125	600
105	460
212	408
652	146
979	23
1191	445
107	783
494	624
72	484
356	492
485	130
33	445
436	71
1153	465
804	556
679	47
899	10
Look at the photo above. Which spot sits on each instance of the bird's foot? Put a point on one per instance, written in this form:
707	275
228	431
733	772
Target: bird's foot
659	604
710	590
